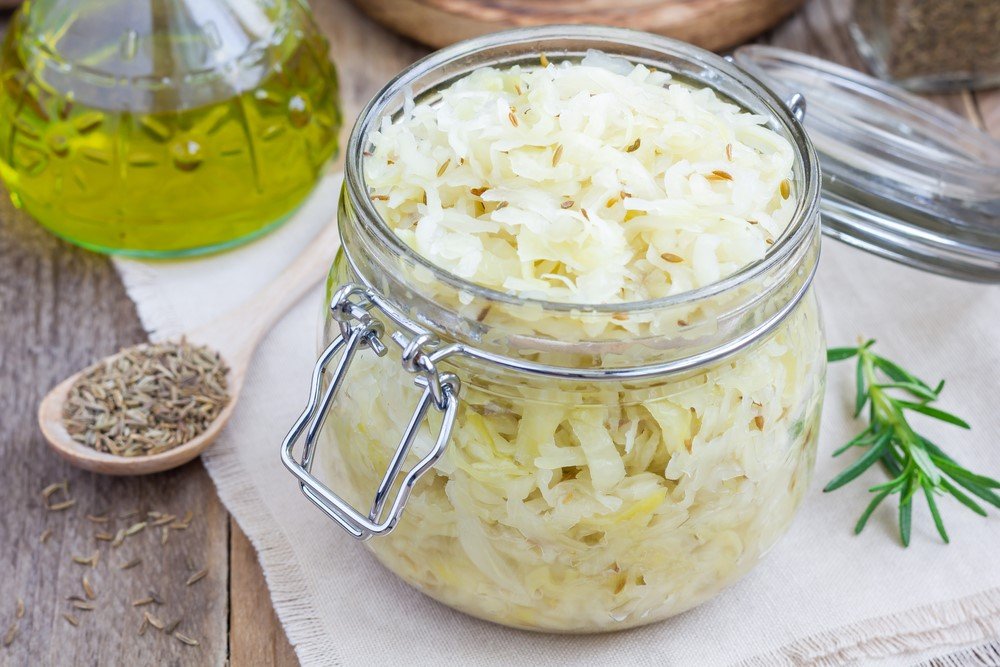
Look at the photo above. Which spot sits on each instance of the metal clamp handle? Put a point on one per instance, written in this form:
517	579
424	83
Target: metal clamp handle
351	307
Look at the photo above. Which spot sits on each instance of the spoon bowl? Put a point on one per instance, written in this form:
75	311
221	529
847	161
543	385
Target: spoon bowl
235	335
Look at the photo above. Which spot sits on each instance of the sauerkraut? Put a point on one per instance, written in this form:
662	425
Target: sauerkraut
597	182
586	506
583	508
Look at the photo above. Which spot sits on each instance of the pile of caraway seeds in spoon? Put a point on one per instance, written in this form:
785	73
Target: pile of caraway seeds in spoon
147	399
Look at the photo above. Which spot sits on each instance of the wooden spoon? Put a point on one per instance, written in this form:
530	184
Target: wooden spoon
234	335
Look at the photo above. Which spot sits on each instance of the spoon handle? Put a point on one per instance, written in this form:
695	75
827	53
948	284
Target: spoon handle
235	334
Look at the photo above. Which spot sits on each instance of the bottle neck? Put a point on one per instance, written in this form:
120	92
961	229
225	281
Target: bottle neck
160	55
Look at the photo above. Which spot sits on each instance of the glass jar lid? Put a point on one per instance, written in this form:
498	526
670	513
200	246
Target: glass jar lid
902	178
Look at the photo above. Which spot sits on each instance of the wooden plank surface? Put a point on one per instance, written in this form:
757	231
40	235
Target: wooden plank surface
255	635
60	307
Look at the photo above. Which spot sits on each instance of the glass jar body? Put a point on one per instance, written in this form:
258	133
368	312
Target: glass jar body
607	465
590	506
931	46
164	128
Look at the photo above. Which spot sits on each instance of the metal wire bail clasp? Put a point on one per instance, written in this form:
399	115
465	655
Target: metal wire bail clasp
351	308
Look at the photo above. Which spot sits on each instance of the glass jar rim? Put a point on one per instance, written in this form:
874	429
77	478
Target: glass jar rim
534	39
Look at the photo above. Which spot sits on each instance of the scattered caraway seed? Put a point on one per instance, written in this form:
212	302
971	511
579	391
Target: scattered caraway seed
196	577
153	620
104	537
165	534
147	399
184	639
143	626
87	588
83	606
10	635
71	619
19	614
103	518
132	563
90	560
119	538
52	488
135	528
46	534
141	602
59	507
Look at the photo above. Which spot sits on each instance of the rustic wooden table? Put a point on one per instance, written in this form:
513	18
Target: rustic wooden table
62	307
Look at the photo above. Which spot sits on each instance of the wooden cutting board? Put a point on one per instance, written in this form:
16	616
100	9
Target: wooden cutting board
712	24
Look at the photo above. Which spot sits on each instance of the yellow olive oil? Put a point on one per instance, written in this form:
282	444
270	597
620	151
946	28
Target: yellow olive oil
184	180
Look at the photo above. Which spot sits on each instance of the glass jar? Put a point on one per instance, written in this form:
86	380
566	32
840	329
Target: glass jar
162	128
930	45
569	468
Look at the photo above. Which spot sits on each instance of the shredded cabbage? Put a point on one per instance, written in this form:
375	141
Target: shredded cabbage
591	508
596	182
587	506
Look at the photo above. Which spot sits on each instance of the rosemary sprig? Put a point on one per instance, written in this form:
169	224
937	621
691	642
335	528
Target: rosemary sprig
914	463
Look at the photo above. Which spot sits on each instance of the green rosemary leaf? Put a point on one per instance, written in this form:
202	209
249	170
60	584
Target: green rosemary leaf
891	464
892	370
891	485
962	498
936	451
980	492
917	390
866	437
861	393
871	456
840	353
923	461
905	514
860	525
935	514
936	413
895	372
956	471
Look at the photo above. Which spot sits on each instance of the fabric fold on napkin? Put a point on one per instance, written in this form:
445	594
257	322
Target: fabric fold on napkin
823	596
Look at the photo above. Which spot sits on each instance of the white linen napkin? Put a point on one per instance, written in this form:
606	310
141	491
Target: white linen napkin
823	596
